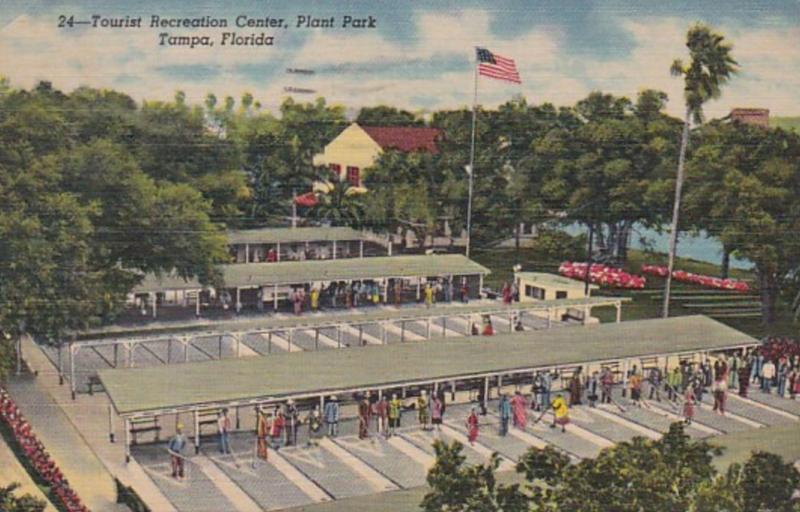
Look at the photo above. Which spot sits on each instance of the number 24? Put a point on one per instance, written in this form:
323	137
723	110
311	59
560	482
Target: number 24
63	21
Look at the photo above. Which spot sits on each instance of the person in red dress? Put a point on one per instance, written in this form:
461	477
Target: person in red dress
472	426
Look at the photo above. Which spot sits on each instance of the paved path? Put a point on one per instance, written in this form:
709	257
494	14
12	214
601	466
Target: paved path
80	465
87	453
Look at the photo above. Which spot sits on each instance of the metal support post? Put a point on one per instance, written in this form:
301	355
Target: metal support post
72	369
316	338
196	431
110	425
619	311
127	440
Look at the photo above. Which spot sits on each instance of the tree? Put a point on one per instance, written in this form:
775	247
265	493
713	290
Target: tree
382	115
340	205
766	217
671	474
10	502
765	482
459	488
710	68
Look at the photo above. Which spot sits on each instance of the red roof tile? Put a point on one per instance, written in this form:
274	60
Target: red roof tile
404	138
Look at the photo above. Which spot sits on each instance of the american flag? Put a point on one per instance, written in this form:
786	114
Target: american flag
494	66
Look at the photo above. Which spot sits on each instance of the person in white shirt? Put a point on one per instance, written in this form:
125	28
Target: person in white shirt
767	375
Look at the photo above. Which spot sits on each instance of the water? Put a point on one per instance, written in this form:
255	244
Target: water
699	247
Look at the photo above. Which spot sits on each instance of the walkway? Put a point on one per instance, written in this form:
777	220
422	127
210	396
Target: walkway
76	434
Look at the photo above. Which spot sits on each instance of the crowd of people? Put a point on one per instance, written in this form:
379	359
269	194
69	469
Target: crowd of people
36	454
773	367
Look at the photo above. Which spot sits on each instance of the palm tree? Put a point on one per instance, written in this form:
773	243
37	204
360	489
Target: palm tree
710	68
340	205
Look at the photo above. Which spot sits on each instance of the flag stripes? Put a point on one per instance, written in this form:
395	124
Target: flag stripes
495	66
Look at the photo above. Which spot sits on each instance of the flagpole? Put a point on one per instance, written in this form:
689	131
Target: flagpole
472	156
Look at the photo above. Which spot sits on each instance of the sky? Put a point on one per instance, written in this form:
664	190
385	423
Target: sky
420	56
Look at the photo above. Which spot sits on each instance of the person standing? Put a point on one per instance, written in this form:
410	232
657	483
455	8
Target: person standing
519	408
381	409
464	290
223	430
314	421
720	389
506	293
276	431
363	417
688	405
293	419
755	373
504	411
332	416
472	426
744	379
262	430
576	388
635	384
422	409
655	383
547	383
395	411
314	299
782	376
175	448
561	413
674	383
591	389
428	295
606	385
437	412
767	375
733	371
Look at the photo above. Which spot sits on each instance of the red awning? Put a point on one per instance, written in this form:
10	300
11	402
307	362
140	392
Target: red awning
308	199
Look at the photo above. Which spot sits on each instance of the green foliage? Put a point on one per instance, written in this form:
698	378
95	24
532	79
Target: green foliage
340	206
556	246
382	115
674	473
711	66
459	488
10	502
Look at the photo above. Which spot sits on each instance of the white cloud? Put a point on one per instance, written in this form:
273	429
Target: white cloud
769	60
33	49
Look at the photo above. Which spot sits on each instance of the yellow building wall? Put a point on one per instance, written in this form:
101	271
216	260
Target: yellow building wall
352	148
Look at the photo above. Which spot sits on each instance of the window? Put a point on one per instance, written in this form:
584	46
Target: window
535	292
336	171
561	294
353	176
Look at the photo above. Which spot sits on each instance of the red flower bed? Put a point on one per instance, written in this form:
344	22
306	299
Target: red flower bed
602	275
36	453
689	277
776	347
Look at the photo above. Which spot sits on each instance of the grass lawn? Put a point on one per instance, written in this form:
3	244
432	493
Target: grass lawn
643	305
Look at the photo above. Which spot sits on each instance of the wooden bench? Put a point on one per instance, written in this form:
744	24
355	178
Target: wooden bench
142	425
94	380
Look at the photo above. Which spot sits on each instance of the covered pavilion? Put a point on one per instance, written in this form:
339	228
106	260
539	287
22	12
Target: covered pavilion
438	321
257	283
254	245
138	394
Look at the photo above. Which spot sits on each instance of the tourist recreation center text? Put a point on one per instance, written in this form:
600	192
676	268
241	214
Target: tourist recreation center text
224	38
